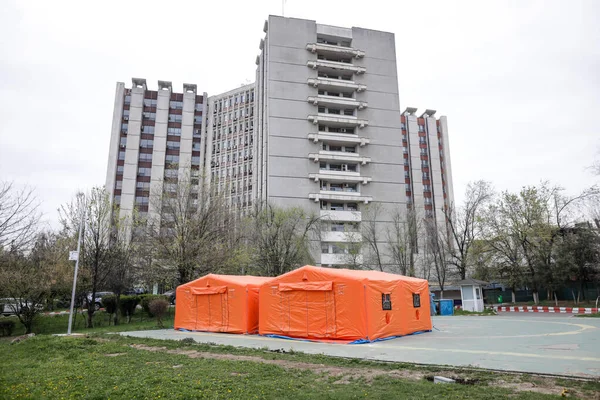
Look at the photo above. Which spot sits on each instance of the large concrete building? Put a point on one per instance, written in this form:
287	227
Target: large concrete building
155	140
321	129
328	127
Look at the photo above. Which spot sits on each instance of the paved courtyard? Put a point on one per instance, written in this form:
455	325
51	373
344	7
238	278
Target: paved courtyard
543	343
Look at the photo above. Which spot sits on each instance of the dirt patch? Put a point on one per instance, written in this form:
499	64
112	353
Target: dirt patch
344	375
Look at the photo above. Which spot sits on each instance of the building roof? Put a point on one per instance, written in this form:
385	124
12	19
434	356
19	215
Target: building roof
471	281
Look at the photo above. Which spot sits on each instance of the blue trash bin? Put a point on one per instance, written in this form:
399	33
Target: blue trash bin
446	307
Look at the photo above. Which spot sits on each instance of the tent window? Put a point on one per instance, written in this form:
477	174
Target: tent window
416	300
386	302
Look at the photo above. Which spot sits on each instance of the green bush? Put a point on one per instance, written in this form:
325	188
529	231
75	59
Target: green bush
6	326
128	305
147	298
110	304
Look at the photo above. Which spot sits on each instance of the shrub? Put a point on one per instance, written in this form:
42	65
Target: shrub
7	326
147	298
128	305
158	307
110	304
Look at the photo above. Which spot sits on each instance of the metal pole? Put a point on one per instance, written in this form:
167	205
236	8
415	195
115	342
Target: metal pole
76	267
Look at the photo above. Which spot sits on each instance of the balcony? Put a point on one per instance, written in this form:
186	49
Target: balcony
326	65
339	259
337	101
338	138
337	120
340	216
324	155
322	48
340	176
335	84
339	196
340	237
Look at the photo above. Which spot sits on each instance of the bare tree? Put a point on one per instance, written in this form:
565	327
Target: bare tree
402	238
280	238
95	256
464	223
192	229
437	251
19	216
372	237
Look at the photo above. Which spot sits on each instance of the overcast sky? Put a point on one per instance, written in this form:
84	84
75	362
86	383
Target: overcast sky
518	80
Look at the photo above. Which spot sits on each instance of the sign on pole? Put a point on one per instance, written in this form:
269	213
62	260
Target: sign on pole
73	255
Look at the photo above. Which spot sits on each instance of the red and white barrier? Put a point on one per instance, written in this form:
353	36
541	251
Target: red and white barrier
545	309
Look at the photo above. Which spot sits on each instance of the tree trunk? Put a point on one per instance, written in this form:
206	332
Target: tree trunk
555	299
118	308
573	294
513	295
441	294
535	297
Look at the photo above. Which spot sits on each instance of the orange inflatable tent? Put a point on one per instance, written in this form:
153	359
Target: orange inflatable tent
219	303
340	304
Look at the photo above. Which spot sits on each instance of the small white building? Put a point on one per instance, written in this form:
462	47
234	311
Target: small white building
471	293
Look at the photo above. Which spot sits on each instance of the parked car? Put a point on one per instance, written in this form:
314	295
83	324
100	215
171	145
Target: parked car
171	295
97	302
13	306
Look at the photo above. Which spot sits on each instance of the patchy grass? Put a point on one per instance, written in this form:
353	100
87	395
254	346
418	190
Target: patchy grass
111	366
594	315
486	311
51	324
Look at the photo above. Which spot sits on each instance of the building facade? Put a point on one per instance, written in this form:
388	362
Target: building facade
229	139
320	129
328	128
155	142
427	165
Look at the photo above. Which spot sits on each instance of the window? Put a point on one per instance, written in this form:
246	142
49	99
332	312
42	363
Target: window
122	155
174	131
349	111
334	111
141	200
416	300
421	128
150	102
118	184
337	206
142	171
175	117
325	248
123	142
196	146
198	107
171	173
120	169
146	143
118	199
352	207
128	99
148	129
172	145
171	159
176	105
196	160
427	188
407	187
124	127
402	125
149	115
145	157
321	109
126	115
198	119
386	301
337	227
143	185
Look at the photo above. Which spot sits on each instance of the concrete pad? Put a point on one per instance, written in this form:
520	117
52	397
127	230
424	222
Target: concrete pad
539	343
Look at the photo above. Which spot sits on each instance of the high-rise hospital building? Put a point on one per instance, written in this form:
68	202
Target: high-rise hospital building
321	128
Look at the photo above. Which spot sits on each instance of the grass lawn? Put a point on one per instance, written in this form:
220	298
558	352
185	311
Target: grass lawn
595	315
50	324
486	311
105	366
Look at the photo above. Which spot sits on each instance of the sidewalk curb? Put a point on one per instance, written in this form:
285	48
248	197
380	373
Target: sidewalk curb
545	309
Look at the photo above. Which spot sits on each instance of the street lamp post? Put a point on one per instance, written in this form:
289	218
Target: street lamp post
81	223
